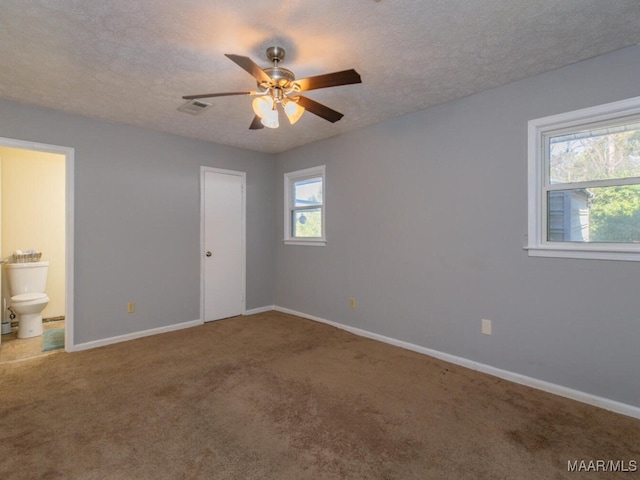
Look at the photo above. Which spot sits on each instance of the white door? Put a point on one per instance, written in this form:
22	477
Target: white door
223	244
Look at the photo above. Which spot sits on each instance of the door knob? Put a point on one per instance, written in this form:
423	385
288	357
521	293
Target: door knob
208	254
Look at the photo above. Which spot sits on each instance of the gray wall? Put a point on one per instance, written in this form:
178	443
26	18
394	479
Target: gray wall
426	220
137	219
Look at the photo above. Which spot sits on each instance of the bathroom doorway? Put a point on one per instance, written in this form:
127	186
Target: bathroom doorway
36	213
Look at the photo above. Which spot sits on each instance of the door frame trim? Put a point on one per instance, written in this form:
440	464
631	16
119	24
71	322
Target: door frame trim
69	153
243	220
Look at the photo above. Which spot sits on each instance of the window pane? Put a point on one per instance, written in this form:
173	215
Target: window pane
306	223
599	154
307	192
603	214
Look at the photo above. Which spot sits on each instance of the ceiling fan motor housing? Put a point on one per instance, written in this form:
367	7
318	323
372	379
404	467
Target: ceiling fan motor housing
281	76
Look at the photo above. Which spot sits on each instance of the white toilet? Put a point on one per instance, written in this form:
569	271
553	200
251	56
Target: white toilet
27	284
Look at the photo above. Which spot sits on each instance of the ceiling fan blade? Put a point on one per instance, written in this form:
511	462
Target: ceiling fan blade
345	77
256	124
319	109
211	95
250	66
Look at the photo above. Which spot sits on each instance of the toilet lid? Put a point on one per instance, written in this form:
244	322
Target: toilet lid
27	297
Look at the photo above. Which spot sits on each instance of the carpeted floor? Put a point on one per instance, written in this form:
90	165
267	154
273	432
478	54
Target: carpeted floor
272	396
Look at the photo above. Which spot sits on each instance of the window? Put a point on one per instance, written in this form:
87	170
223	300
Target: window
304	207
584	183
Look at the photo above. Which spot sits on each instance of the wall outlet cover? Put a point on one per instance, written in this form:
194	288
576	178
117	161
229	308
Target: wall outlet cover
486	326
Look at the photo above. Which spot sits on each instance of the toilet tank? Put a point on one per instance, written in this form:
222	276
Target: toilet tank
27	277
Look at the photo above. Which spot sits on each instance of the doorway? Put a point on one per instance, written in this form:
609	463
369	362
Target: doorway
63	251
223	253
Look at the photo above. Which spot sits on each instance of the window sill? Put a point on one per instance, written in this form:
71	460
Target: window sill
593	253
307	243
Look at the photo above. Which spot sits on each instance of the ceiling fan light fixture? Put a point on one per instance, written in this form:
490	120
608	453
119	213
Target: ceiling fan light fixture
270	119
262	105
293	111
278	86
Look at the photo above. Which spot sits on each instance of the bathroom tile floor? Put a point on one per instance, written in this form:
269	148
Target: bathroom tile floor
13	349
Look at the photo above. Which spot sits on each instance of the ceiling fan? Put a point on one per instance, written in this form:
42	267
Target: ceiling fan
278	87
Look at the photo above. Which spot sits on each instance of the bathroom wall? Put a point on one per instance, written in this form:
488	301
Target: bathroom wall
33	215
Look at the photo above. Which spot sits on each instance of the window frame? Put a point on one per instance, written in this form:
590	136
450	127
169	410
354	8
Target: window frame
539	132
290	178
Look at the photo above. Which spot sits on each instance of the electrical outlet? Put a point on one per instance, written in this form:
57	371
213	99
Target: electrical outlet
131	307
352	302
486	326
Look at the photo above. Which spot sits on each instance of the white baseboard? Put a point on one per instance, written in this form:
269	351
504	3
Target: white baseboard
605	403
153	331
253	311
133	336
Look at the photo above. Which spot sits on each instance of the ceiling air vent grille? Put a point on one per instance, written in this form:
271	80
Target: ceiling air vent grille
194	107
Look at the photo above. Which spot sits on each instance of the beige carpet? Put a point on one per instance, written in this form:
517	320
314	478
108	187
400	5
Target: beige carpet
273	396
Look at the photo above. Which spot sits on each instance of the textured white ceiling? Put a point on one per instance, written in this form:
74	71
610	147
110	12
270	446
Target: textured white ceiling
132	60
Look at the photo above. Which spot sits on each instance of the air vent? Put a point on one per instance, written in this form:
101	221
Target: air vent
194	107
